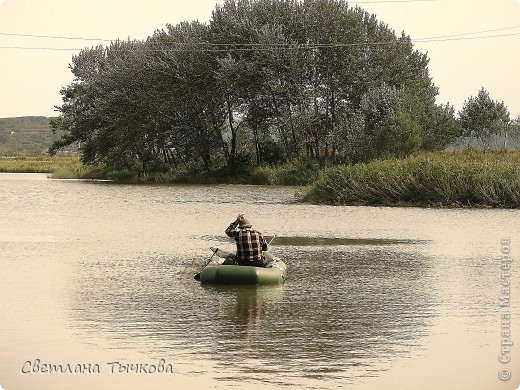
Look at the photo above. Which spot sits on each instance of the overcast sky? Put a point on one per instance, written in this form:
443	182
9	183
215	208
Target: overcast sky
476	42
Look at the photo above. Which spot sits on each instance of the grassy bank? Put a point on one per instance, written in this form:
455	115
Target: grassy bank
56	167
468	178
295	173
40	165
445	179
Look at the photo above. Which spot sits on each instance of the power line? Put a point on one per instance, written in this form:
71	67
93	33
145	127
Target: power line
40	48
216	47
426	40
471	33
55	37
251	47
118	40
112	40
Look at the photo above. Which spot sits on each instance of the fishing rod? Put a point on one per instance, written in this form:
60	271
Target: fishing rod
197	277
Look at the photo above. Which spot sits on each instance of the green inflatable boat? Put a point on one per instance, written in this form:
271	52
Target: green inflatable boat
217	273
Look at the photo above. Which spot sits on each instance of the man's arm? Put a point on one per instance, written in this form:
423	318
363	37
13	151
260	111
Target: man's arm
263	241
231	230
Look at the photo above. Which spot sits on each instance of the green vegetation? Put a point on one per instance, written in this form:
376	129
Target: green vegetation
63	168
295	173
468	178
25	136
263	83
69	166
486	120
274	92
298	173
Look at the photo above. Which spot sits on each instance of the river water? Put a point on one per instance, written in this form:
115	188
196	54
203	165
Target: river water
99	276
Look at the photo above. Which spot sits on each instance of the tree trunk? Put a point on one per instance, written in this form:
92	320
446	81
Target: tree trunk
232	128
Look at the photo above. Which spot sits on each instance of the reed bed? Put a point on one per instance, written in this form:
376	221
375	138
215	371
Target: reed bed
58	167
459	179
443	179
39	164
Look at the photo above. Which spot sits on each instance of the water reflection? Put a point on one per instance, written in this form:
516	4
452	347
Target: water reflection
342	308
328	241
322	241
245	309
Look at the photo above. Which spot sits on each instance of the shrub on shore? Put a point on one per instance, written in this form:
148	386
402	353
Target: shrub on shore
297	173
433	179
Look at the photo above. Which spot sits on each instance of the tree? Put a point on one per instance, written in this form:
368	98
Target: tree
141	105
310	78
512	131
384	127
483	118
440	127
184	69
307	65
399	137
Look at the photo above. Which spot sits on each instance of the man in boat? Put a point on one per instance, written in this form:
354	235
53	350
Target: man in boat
251	245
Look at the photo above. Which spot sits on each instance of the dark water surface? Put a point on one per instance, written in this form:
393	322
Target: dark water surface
376	298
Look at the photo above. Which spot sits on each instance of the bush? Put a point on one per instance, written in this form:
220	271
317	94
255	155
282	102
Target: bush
442	179
399	137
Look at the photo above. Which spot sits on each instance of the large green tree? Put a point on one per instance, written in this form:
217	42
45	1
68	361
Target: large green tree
264	80
309	64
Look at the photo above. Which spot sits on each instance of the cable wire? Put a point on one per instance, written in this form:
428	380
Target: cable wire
215	47
55	37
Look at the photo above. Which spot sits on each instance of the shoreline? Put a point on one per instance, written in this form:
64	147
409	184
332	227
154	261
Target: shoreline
457	180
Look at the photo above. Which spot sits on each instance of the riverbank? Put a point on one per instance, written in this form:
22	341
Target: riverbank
297	173
444	179
71	165
466	178
60	167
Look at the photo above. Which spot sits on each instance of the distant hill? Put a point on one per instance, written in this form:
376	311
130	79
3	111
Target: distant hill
25	136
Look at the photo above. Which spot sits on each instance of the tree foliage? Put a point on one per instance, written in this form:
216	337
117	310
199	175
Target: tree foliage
265	81
483	118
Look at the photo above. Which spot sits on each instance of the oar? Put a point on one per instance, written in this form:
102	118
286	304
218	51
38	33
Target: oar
197	277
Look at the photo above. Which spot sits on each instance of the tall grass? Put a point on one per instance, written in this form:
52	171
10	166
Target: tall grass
294	173
468	178
447	179
39	164
62	168
297	173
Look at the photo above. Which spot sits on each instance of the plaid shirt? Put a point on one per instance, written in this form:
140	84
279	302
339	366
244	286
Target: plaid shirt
250	244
